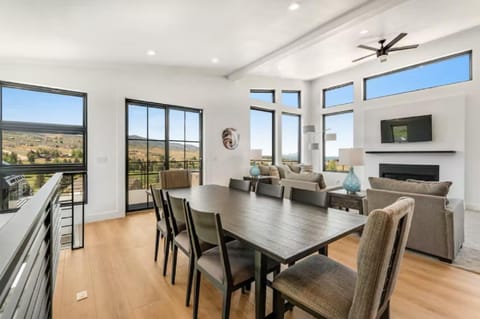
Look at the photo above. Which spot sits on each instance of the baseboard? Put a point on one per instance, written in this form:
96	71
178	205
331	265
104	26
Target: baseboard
474	207
103	216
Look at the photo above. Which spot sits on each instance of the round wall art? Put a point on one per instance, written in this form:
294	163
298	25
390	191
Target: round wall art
230	138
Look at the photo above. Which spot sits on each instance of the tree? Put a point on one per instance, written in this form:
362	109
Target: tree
31	156
39	181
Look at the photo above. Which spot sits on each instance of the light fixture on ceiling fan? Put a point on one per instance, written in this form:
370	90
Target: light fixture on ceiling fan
382	52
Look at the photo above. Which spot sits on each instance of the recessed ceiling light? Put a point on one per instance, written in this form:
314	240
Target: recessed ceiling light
364	32
151	52
294	6
215	60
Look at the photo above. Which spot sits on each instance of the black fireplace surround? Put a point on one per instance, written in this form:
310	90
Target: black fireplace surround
404	172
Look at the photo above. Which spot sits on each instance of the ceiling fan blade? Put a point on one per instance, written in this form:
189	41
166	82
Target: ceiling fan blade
407	47
394	41
367	47
364	57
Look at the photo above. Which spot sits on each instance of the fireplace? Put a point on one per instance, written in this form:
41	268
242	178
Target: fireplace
404	172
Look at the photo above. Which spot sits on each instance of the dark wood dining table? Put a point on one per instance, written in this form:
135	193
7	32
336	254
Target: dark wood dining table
280	229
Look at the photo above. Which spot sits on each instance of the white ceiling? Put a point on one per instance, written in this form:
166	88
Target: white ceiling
190	33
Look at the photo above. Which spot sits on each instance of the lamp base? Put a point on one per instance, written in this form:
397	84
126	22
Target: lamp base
351	182
254	170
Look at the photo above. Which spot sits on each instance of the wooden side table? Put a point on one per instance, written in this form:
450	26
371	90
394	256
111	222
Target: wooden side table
342	200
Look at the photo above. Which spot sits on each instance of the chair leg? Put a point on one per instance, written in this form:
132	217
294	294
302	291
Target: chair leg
278	305
196	292
165	255
174	263
386	312
190	280
323	250
227	298
157	242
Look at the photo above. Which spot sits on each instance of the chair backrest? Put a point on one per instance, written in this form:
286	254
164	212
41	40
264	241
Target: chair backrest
379	256
161	207
270	190
206	227
309	197
177	208
239	184
175	178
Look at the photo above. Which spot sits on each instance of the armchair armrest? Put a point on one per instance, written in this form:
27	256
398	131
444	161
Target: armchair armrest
455	214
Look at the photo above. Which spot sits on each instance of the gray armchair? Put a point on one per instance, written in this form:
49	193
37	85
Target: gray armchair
437	225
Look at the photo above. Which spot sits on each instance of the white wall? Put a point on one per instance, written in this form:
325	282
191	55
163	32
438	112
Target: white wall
225	104
469	91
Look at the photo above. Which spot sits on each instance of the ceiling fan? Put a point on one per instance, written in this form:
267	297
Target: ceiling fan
383	51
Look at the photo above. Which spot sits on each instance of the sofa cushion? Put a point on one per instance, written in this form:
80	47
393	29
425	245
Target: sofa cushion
308	177
417	187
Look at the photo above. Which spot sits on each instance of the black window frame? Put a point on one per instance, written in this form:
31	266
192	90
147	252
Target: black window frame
79	168
272	91
167	140
325	133
256	108
299	98
413	66
299	135
337	87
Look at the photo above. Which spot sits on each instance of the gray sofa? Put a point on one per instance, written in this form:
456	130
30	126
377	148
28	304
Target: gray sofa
438	223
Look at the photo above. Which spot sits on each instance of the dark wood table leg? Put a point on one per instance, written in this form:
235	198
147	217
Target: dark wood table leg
260	284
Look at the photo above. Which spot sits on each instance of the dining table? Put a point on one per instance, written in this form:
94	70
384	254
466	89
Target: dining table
280	229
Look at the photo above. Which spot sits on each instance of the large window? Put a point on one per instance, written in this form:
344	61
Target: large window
42	131
262	133
444	71
338	133
291	99
160	137
290	138
263	95
338	95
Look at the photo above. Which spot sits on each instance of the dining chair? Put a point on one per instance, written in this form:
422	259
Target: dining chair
229	265
181	241
239	184
328	289
309	197
164	229
177	178
264	189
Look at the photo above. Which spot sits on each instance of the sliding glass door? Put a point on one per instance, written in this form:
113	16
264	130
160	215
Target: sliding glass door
159	137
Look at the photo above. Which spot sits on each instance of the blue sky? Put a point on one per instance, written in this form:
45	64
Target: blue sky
290	124
261	131
342	125
41	107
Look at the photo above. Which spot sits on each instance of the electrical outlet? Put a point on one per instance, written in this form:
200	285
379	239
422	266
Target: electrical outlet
82	295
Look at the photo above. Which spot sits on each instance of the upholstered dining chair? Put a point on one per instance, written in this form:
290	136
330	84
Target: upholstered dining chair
229	265
328	289
177	178
309	197
181	240
164	228
239	184
275	191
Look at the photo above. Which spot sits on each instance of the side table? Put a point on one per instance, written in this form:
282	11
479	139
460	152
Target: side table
342	200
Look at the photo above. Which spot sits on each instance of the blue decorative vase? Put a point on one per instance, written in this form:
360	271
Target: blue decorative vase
254	170
351	182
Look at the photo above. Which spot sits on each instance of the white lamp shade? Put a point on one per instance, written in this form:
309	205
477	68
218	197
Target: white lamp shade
351	156
256	154
308	129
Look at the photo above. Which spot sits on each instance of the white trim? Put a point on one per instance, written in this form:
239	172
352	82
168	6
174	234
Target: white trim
89	218
473	206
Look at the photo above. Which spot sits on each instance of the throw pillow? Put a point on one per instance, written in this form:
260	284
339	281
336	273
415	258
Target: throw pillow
275	174
306	168
264	170
295	168
419	187
282	169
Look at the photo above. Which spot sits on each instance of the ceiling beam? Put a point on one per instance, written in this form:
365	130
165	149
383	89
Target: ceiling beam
322	32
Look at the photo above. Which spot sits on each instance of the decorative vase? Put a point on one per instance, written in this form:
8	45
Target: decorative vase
254	170
351	182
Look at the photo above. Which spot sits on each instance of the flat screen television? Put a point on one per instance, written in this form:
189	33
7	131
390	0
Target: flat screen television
407	129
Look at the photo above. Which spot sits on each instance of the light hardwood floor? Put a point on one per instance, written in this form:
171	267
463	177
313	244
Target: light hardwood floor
116	267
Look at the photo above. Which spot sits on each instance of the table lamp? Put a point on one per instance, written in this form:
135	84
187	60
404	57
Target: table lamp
351	157
255	155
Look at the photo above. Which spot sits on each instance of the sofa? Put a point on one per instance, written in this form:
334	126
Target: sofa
296	176
438	222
